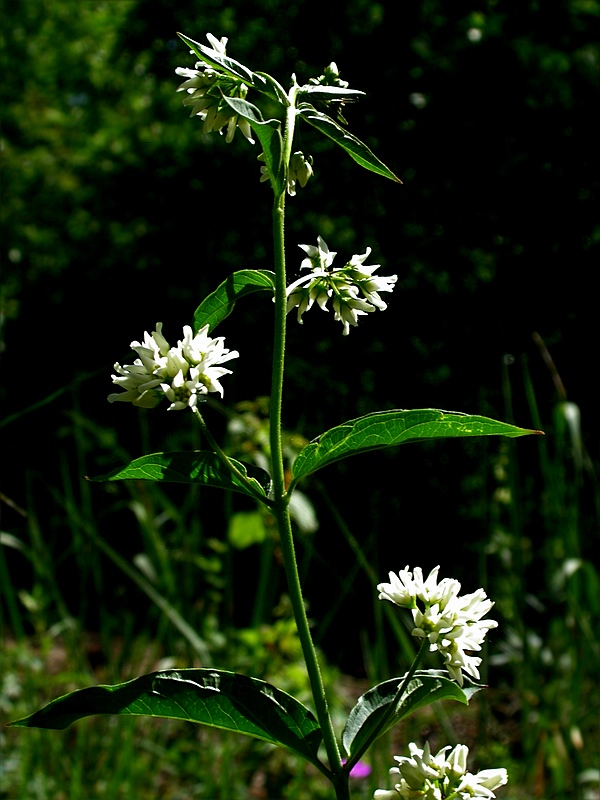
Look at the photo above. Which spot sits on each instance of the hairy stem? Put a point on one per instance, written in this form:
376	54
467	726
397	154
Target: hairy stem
281	500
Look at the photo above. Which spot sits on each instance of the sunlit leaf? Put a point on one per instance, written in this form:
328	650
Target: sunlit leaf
426	687
220	62
210	697
354	147
330	93
219	304
390	428
199	467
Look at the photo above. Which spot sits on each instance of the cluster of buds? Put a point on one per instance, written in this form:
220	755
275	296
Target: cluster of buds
451	624
183	374
353	289
330	77
441	776
206	88
299	171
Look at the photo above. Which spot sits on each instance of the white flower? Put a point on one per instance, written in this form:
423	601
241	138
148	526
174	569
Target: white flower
456	763
401	589
438	777
183	373
344	286
406	589
319	257
483	784
451	624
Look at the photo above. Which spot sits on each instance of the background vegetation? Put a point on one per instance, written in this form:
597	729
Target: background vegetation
118	212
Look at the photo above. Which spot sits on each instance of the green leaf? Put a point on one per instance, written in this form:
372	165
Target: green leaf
390	428
220	62
210	697
354	147
330	93
269	135
198	466
272	88
219	304
426	687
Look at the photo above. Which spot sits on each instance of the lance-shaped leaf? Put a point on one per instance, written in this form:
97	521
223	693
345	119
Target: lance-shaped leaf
210	697
426	687
219	304
354	147
199	466
269	135
390	428
220	62
330	93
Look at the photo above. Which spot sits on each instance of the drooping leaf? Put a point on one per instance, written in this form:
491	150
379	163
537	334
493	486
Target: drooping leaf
269	135
211	697
390	428
199	466
426	687
219	304
354	147
273	88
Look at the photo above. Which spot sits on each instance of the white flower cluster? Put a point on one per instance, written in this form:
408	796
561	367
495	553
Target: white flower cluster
205	88
183	373
452	624
353	289
441	776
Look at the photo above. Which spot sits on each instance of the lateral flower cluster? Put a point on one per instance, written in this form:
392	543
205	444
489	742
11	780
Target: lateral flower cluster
452	624
206	88
422	775
184	373
353	289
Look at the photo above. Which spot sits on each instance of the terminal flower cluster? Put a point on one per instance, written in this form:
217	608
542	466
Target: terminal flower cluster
422	775
352	289
205	89
452	624
183	373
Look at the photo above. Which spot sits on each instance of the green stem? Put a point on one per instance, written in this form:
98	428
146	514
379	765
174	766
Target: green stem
280	503
393	706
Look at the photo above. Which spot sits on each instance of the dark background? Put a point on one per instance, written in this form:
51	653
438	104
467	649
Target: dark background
118	212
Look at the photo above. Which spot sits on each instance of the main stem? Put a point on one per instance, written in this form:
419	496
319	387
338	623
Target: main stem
280	508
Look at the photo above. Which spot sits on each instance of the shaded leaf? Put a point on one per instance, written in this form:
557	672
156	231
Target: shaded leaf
219	304
390	428
198	466
426	687
354	147
269	135
210	697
